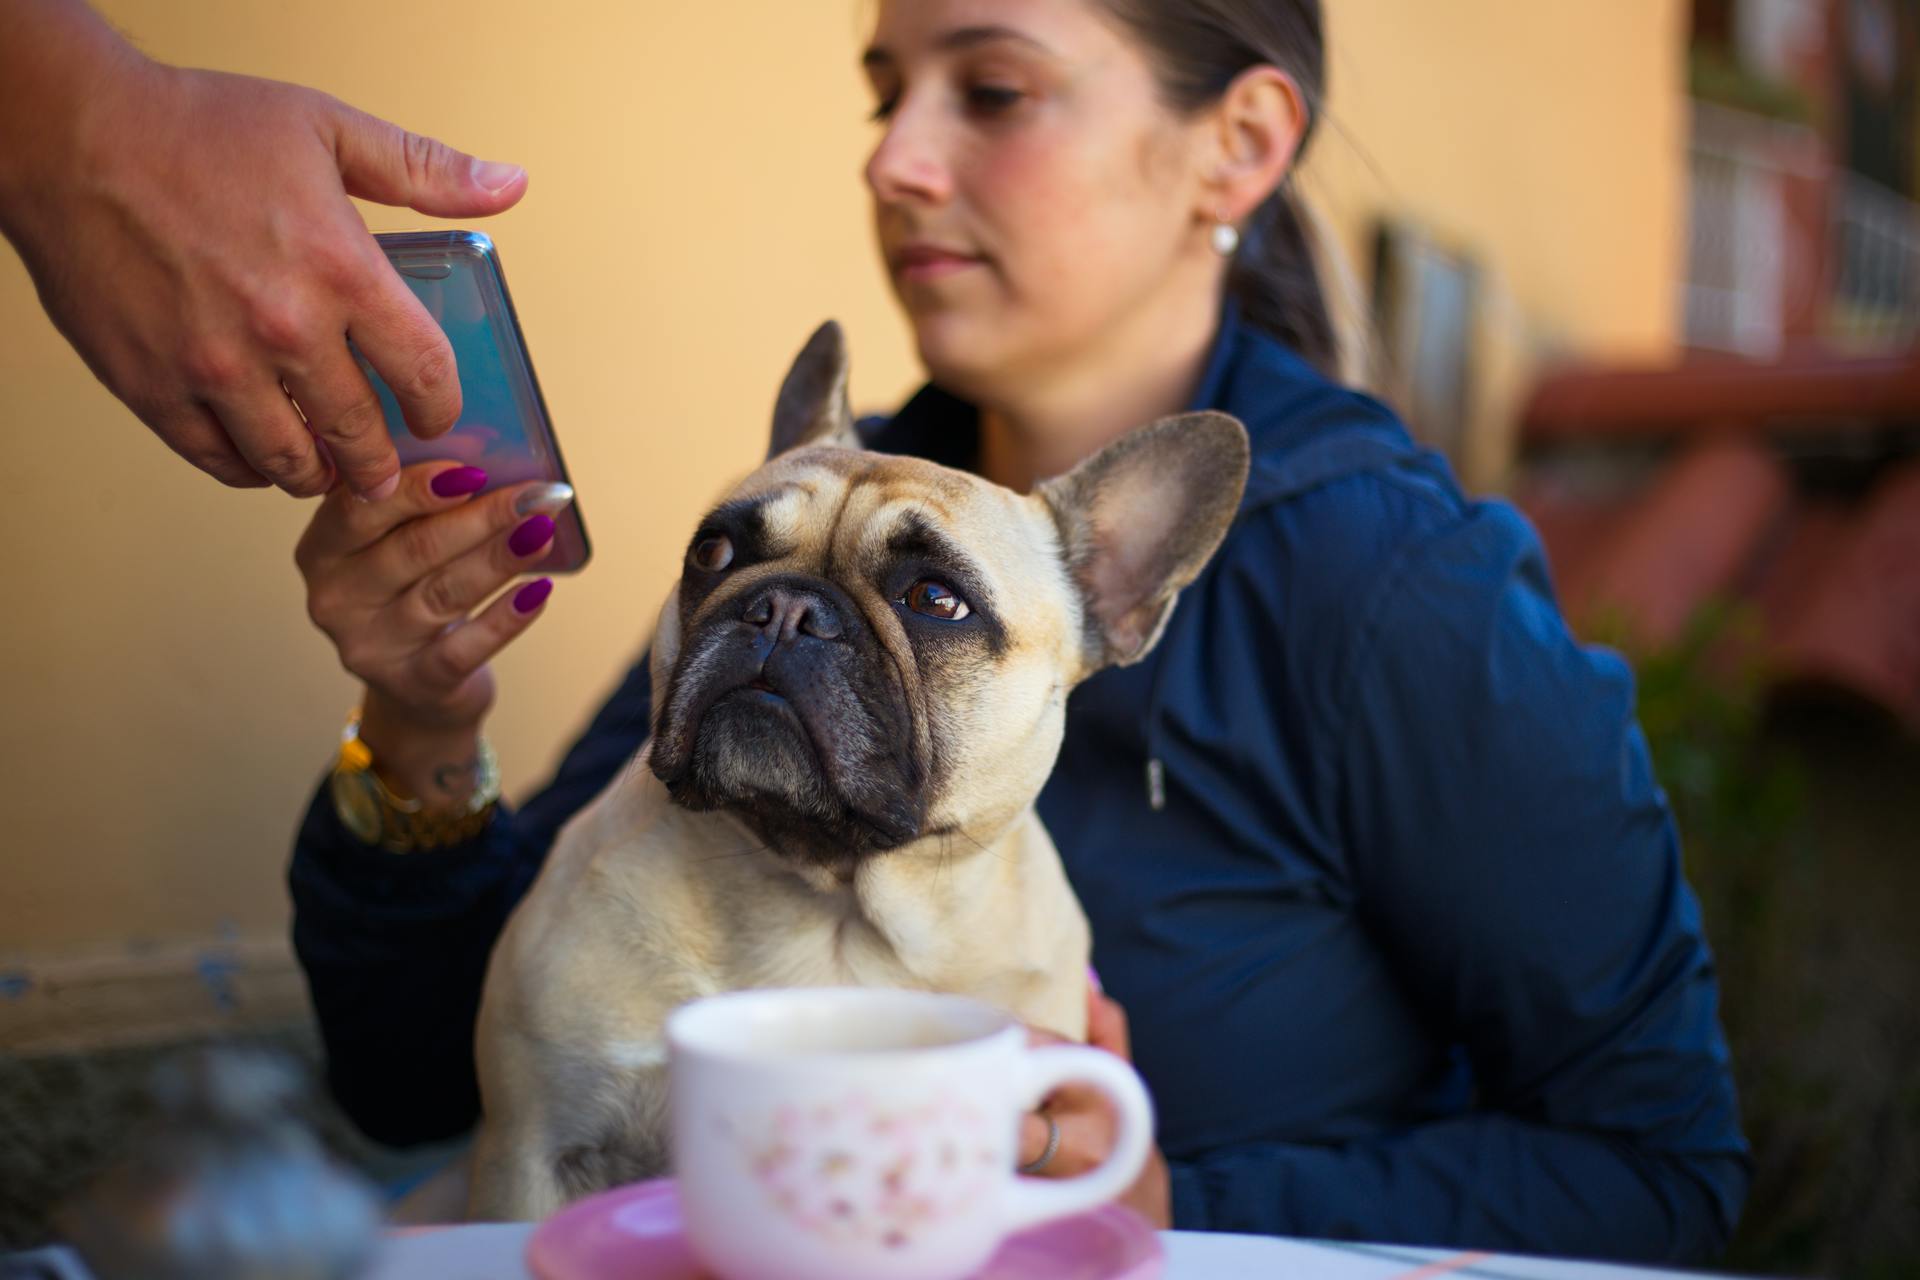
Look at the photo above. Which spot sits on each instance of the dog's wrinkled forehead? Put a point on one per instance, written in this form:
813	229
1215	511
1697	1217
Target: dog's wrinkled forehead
851	516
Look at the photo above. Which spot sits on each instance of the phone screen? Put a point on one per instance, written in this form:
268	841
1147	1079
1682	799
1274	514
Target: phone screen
503	426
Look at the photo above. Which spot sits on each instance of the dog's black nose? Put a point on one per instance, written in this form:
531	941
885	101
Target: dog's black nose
782	612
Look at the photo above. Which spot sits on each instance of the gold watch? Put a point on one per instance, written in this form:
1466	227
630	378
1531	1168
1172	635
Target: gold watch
376	815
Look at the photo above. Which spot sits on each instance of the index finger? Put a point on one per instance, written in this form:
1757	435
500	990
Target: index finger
410	352
1107	1026
346	525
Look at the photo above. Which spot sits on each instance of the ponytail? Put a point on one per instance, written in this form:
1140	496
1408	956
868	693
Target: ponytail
1276	280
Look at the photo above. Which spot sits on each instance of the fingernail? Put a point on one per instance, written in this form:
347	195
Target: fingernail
382	491
533	595
532	535
543	497
459	481
493	176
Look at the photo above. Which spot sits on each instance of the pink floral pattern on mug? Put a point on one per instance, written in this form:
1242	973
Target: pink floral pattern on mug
853	1170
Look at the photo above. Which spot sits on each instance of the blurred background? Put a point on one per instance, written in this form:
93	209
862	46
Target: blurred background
1651	268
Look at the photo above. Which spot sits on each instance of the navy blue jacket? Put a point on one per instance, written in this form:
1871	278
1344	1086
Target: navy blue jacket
1371	850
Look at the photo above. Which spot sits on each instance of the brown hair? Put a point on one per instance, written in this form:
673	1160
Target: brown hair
1198	47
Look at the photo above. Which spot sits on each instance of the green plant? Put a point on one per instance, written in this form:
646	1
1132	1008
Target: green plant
1715	75
1737	795
1814	966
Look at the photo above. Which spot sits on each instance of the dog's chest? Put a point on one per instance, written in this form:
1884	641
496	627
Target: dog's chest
823	948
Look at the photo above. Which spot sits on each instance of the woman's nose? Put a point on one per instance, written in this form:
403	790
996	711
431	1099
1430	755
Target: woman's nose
908	165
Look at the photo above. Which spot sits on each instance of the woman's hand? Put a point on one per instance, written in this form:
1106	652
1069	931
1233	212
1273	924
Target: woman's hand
392	583
1087	1123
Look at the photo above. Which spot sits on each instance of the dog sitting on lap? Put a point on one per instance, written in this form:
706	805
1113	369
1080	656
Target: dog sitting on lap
860	686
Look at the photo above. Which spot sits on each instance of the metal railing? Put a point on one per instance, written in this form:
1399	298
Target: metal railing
1752	260
1741	244
1876	245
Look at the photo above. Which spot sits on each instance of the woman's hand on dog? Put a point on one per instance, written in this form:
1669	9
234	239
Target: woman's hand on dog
1087	1123
395	584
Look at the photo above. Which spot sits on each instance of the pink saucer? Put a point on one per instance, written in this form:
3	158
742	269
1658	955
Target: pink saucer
633	1233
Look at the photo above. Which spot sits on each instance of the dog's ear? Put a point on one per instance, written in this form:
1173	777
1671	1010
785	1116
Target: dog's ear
812	408
1138	521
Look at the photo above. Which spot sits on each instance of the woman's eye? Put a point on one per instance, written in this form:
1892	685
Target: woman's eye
989	99
936	599
883	109
713	552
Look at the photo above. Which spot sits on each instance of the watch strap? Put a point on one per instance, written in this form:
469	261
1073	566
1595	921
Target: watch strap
377	815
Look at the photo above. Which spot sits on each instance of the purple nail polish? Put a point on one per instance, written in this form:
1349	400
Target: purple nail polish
459	481
533	595
534	533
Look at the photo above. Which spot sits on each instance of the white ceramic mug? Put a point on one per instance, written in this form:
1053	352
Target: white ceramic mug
871	1134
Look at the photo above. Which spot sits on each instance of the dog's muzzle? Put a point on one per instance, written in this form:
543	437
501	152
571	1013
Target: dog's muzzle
799	647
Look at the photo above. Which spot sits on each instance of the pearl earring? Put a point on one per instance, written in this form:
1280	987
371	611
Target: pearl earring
1226	238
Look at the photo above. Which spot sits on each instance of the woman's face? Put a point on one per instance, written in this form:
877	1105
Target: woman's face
1032	195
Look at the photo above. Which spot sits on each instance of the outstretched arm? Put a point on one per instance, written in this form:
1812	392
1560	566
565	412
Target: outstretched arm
190	233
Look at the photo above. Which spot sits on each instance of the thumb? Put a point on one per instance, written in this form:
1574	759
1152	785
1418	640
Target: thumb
1107	1027
385	163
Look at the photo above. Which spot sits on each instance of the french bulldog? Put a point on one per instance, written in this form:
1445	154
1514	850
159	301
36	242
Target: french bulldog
860	685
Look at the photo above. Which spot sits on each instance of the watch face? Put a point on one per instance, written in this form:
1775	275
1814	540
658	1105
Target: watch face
358	807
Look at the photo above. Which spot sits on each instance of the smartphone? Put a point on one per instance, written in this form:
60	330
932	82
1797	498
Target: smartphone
503	426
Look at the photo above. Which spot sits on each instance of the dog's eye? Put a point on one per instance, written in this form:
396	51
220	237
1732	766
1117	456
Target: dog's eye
936	599
713	552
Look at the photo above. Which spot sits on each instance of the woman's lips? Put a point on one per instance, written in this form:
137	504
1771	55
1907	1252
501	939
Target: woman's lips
917	264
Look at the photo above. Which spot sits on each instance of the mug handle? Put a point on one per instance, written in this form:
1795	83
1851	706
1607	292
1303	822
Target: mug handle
1032	1200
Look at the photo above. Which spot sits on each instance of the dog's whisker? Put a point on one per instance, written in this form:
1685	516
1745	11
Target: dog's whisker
981	847
747	852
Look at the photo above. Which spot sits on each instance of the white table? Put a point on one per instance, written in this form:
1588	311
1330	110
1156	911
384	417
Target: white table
494	1252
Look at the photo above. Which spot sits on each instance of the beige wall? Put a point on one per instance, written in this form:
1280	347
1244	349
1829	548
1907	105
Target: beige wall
1545	136
695	209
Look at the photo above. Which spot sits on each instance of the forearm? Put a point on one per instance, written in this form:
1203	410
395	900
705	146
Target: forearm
1482	1181
58	59
394	947
438	766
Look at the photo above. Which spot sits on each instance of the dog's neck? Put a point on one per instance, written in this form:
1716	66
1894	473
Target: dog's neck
946	910
926	908
913	896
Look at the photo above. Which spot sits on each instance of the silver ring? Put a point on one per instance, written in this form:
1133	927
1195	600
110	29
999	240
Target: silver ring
1053	1145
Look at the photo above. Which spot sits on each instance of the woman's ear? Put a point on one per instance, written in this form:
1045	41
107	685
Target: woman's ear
1257	127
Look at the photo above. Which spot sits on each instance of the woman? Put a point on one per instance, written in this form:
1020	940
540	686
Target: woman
1370	846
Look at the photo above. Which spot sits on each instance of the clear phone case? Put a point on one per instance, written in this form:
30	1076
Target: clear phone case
503	424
